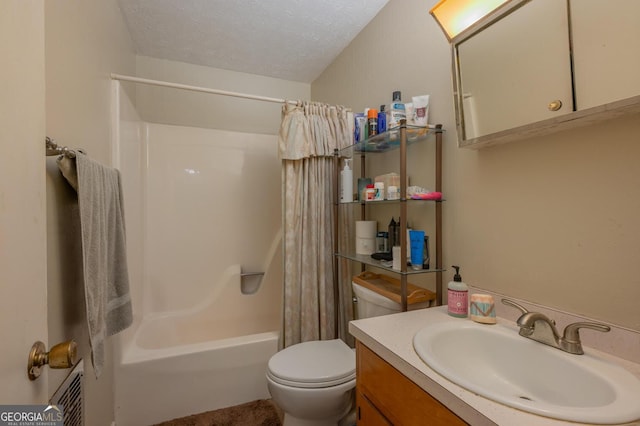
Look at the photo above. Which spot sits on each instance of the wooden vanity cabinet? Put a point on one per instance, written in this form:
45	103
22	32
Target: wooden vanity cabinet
384	396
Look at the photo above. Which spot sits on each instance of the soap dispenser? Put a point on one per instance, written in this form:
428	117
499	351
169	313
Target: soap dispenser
346	188
457	296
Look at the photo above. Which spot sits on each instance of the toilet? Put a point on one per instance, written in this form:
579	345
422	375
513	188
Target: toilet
313	382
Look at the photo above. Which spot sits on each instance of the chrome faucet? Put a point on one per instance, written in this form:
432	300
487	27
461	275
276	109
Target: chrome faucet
539	327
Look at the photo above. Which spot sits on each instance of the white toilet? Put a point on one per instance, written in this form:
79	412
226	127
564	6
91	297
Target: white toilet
313	382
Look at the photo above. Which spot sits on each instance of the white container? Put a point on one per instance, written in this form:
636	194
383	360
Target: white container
346	183
396	253
393	193
379	194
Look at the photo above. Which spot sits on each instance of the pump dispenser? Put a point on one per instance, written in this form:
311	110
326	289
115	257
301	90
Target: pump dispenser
346	187
457	296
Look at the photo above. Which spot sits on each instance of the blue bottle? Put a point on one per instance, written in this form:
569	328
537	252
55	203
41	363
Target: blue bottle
382	120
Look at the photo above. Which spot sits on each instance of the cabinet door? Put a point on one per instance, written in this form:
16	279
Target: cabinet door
396	397
511	71
368	415
605	50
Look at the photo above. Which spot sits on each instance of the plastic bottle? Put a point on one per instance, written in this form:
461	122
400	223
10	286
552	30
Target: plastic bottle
379	187
382	120
346	189
370	193
457	296
396	111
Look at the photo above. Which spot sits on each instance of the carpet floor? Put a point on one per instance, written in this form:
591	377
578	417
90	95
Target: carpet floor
262	412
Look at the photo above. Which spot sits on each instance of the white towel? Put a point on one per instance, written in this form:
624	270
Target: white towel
106	279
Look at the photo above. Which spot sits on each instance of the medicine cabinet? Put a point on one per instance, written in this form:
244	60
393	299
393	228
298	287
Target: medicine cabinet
540	66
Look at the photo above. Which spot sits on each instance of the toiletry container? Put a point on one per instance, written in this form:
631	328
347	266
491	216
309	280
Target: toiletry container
346	180
382	120
372	122
362	188
482	308
396	110
379	193
457	296
394	236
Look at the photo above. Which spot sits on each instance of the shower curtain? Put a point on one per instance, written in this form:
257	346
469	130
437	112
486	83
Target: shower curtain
309	134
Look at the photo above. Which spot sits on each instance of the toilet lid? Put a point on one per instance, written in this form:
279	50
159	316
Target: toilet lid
313	364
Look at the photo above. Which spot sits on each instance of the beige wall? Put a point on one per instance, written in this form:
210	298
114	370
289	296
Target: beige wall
186	108
551	220
85	42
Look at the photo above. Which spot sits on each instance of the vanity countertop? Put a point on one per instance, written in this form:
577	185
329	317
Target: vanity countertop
391	337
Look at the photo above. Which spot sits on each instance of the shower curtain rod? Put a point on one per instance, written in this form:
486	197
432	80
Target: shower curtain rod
199	89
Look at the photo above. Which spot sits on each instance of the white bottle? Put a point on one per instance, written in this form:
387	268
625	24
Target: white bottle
396	111
346	186
457	296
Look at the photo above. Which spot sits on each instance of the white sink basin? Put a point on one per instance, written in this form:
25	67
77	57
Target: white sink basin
497	363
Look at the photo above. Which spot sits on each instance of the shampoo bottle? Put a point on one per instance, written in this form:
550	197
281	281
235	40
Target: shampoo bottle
346	187
457	296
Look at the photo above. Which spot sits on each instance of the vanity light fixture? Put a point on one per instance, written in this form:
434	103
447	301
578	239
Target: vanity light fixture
455	16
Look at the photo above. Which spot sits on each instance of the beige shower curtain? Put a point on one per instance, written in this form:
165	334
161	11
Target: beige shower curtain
309	135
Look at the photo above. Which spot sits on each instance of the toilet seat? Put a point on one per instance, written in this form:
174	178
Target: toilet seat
316	364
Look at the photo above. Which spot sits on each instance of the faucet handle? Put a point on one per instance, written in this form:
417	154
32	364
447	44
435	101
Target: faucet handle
571	336
571	332
518	306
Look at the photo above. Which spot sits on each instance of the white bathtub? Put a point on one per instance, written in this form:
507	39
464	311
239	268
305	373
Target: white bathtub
154	385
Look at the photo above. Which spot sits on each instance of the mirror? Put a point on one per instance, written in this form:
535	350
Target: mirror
540	60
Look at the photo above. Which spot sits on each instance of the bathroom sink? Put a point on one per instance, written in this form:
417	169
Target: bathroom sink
496	363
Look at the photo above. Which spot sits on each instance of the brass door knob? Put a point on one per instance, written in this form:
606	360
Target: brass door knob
62	355
555	105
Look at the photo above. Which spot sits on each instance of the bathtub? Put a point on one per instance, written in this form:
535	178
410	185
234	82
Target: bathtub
162	383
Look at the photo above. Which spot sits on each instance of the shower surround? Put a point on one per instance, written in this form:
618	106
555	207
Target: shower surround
202	206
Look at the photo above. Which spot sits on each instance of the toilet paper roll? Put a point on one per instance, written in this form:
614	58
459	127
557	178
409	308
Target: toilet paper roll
366	229
365	245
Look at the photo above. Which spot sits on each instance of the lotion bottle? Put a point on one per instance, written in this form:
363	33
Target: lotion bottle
457	296
346	187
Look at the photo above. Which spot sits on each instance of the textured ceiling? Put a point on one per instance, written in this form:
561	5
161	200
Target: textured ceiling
288	39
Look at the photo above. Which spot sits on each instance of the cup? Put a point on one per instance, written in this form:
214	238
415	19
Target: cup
482	309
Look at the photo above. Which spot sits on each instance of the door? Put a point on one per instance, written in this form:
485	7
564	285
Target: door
511	71
23	287
605	51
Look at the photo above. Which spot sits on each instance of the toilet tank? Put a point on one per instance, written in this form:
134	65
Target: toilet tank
378	294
